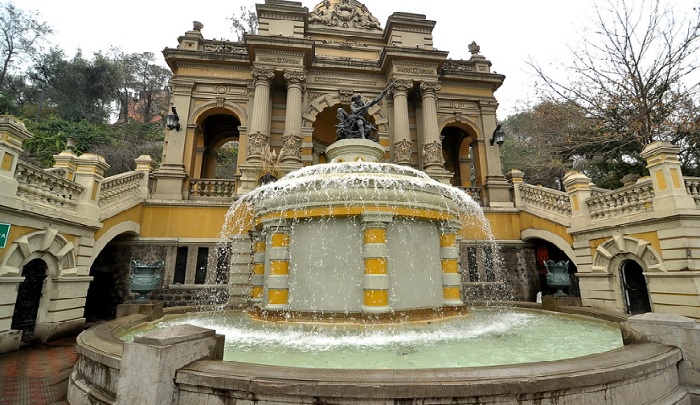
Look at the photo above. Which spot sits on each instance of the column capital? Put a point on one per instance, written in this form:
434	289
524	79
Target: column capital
295	77
262	76
428	89
401	87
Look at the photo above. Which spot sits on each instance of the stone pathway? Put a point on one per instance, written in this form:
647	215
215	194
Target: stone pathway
37	375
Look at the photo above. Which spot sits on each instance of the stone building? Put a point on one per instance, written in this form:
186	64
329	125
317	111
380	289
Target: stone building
68	235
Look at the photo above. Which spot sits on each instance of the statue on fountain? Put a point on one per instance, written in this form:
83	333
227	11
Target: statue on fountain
354	125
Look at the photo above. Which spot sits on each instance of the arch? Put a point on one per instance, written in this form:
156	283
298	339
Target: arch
214	107
618	245
128	227
552	238
48	245
461	152
468	125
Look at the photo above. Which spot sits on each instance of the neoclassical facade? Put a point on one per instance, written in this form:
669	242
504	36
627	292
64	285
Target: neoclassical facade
280	90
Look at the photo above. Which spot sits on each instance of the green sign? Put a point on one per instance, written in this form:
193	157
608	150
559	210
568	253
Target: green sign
4	234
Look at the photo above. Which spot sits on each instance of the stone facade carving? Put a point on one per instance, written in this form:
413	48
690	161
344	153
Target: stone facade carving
291	147
256	142
432	153
429	87
294	77
225	48
401	86
344	14
402	152
262	75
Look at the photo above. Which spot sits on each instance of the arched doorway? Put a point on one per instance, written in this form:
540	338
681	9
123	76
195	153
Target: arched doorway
634	286
456	150
219	146
29	296
110	284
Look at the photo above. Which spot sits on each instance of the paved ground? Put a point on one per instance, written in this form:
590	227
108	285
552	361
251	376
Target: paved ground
37	375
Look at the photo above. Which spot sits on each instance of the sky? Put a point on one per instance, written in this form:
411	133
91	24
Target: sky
510	32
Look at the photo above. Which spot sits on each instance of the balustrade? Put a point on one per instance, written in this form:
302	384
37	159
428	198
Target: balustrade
41	186
212	188
120	187
692	186
624	201
546	199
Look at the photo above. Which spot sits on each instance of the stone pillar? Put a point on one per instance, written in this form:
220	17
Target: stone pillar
402	132
291	151
12	135
239	271
277	282
375	253
432	147
465	171
259	134
144	164
65	161
578	187
150	362
89	173
171	178
665	170
258	268
516	178
449	258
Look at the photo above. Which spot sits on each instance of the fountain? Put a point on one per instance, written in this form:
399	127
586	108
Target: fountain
356	298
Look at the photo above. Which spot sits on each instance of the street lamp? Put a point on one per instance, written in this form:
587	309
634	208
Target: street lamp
172	121
498	136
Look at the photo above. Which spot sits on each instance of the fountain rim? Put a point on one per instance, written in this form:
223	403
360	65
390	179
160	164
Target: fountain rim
101	344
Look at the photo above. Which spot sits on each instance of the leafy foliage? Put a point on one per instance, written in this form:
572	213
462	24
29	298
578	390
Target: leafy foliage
245	23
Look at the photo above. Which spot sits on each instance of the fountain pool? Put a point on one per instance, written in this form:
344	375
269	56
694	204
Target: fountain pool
486	337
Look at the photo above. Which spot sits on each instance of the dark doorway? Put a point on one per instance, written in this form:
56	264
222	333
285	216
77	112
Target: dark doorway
28	297
635	288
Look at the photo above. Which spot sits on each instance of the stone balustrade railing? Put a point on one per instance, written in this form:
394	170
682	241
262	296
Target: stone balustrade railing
692	186
41	186
120	187
473	192
212	188
556	202
623	201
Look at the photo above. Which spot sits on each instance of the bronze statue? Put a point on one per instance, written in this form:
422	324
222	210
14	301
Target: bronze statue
354	125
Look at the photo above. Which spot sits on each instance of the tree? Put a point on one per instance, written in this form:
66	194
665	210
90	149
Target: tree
144	87
631	76
79	89
245	23
22	37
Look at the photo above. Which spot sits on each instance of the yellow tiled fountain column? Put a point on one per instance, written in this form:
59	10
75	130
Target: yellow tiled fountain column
375	253
258	268
449	257
278	256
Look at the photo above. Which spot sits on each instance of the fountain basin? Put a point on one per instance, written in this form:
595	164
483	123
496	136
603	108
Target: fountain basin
638	373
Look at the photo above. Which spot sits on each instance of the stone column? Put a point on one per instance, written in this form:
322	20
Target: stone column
239	271
291	151
516	178
171	176
402	134
375	253
145	165
259	134
449	258
89	173
277	282
12	134
258	269
465	172
578	187
432	147
665	170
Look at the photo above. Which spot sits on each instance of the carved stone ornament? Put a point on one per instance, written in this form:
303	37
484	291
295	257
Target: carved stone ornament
401	86
256	143
293	77
429	88
291	146
432	153
344	14
402	151
262	75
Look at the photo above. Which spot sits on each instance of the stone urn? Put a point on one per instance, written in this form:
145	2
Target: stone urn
558	276
145	278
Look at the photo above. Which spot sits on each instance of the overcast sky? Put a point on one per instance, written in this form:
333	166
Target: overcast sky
510	32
